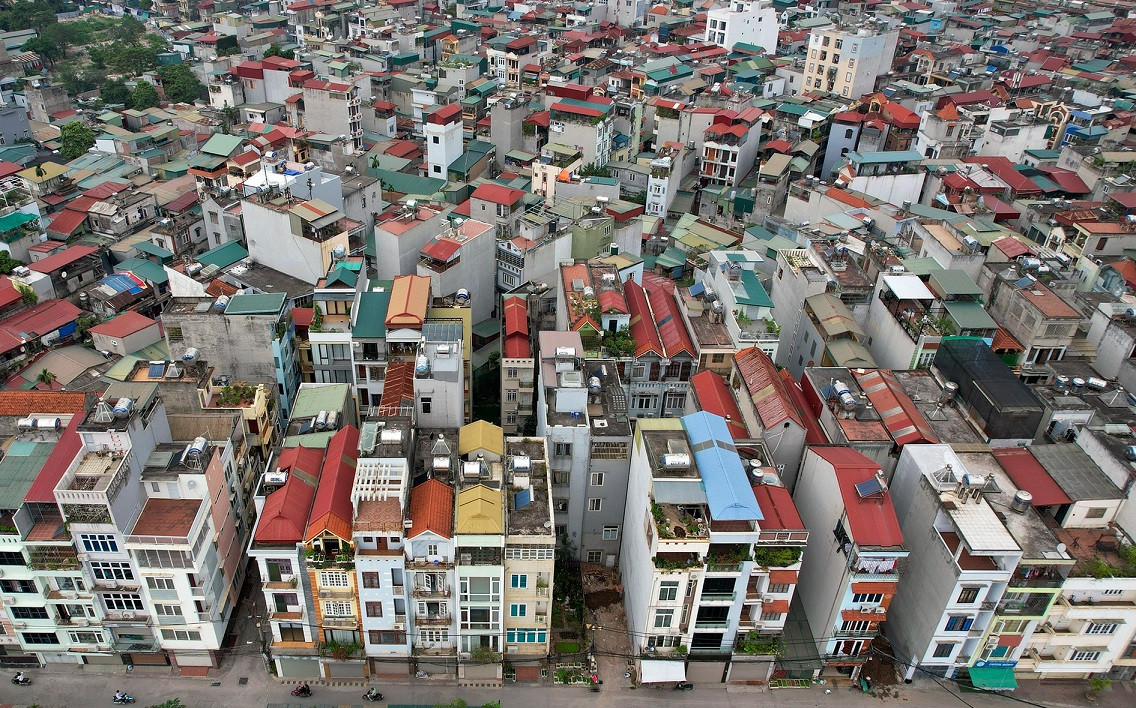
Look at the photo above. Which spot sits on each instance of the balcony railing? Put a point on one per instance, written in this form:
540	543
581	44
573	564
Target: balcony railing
711	624
345	621
718	596
431	592
433	619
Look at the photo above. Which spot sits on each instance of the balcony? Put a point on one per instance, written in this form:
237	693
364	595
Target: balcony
171	620
340	621
334	593
1034	607
711	624
433	619
96	478
426	563
128	646
430	592
719	596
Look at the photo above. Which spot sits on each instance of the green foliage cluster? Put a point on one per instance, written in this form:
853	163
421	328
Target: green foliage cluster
274	50
145	96
755	644
619	343
7	263
776	557
1100	568
237	394
180	84
76	139
593	170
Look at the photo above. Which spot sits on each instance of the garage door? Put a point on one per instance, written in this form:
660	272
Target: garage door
705	671
481	671
103	659
292	667
439	668
346	669
750	671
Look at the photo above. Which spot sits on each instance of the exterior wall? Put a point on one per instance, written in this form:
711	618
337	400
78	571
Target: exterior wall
519	387
1081	601
890	346
239	345
403	249
750	22
128	344
872	54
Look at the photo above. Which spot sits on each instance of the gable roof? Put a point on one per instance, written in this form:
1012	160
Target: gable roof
714	396
409	299
285	513
672	331
432	509
498	194
642	325
871	520
481	510
332	510
766	389
728	492
900	416
481	435
125	324
62	258
1029	474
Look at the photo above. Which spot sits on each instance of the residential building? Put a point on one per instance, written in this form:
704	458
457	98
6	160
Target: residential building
443	139
752	22
847	63
832	337
461	263
732	279
498	205
587	123
956	576
868	546
1037	317
518	375
729	146
332	108
402	233
769	410
294	236
588	437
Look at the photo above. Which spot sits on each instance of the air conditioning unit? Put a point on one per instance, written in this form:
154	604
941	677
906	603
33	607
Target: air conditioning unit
128	615
467	558
880	611
399	626
9	601
19	625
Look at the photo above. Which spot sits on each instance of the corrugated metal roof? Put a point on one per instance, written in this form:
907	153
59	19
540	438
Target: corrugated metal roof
728	493
481	510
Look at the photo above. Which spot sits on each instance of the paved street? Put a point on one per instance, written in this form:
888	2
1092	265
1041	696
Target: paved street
57	687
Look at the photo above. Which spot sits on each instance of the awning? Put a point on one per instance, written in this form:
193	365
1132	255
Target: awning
997	678
662	671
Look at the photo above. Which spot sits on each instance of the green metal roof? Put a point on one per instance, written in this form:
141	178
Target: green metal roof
922	266
370	319
224	255
256	304
312	441
122	368
954	282
755	294
19	468
875	158
409	184
310	400
222	144
342	275
147	270
153	250
15	220
487	328
671	258
969	314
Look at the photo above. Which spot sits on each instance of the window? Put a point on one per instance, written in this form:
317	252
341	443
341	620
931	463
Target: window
597	479
386	637
867	598
518	582
292	632
595	504
333	579
99	543
12	558
1102	627
432	549
610	533
664	641
770	616
40	638
1010	626
529	553
562	450
167	610
968	595
603	450
85	637
663	618
717	358
1096	512
855	626
518	610
174	333
189	635
595	556
119	601
668	590
370	579
337	609
426	404
1075	656
18	586
959	623
373	609
944	649
645	401
111	570
437	139
511	395
674	399
160	583
511	372
525	636
778	588
29	613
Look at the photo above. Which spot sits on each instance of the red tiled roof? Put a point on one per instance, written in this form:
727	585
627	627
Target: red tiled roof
8	292
900	416
7	169
1029	475
398	388
38	320
714	396
1067	180
332	510
124	325
62	259
777	509
612	301
766	388
18	404
672	331
441	249
1012	247
432	509
871	520
517	329
324	85
1002	168
106	190
246	158
642	326
302	316
66	222
847	198
498	194
1125	199
62	455
1004	341
181	202
285	513
814	433
218	287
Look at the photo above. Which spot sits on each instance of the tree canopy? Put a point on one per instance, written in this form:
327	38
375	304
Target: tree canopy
76	139
274	50
114	92
145	96
180	84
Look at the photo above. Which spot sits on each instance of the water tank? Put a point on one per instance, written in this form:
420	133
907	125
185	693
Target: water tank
422	365
339	252
1078	383
279	476
676	460
333	420
191	355
122	407
221	304
950	391
321	420
26	423
390	436
84	298
1096	384
971	242
973	481
197	447
462	296
589	291
49	423
1030	263
1130	453
594	383
1061	384
566	351
847	400
1022	501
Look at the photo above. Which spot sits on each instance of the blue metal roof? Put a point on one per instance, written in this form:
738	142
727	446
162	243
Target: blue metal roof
727	490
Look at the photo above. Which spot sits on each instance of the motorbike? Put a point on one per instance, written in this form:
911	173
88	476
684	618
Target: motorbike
303	691
372	695
123	701
25	681
421	675
684	686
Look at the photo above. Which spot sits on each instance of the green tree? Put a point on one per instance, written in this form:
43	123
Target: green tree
7	263
593	170
76	139
115	92
144	96
274	50
129	29
28	296
47	50
145	4
27	15
228	51
180	84
45	377
172	703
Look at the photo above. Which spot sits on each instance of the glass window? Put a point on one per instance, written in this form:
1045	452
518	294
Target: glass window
663	618
668	590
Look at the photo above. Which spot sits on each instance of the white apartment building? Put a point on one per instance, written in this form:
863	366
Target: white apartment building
698	578
847	63
749	21
672	162
956	576
462	263
848	577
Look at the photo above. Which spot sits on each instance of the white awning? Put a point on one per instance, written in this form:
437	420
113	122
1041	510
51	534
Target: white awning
908	287
662	671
